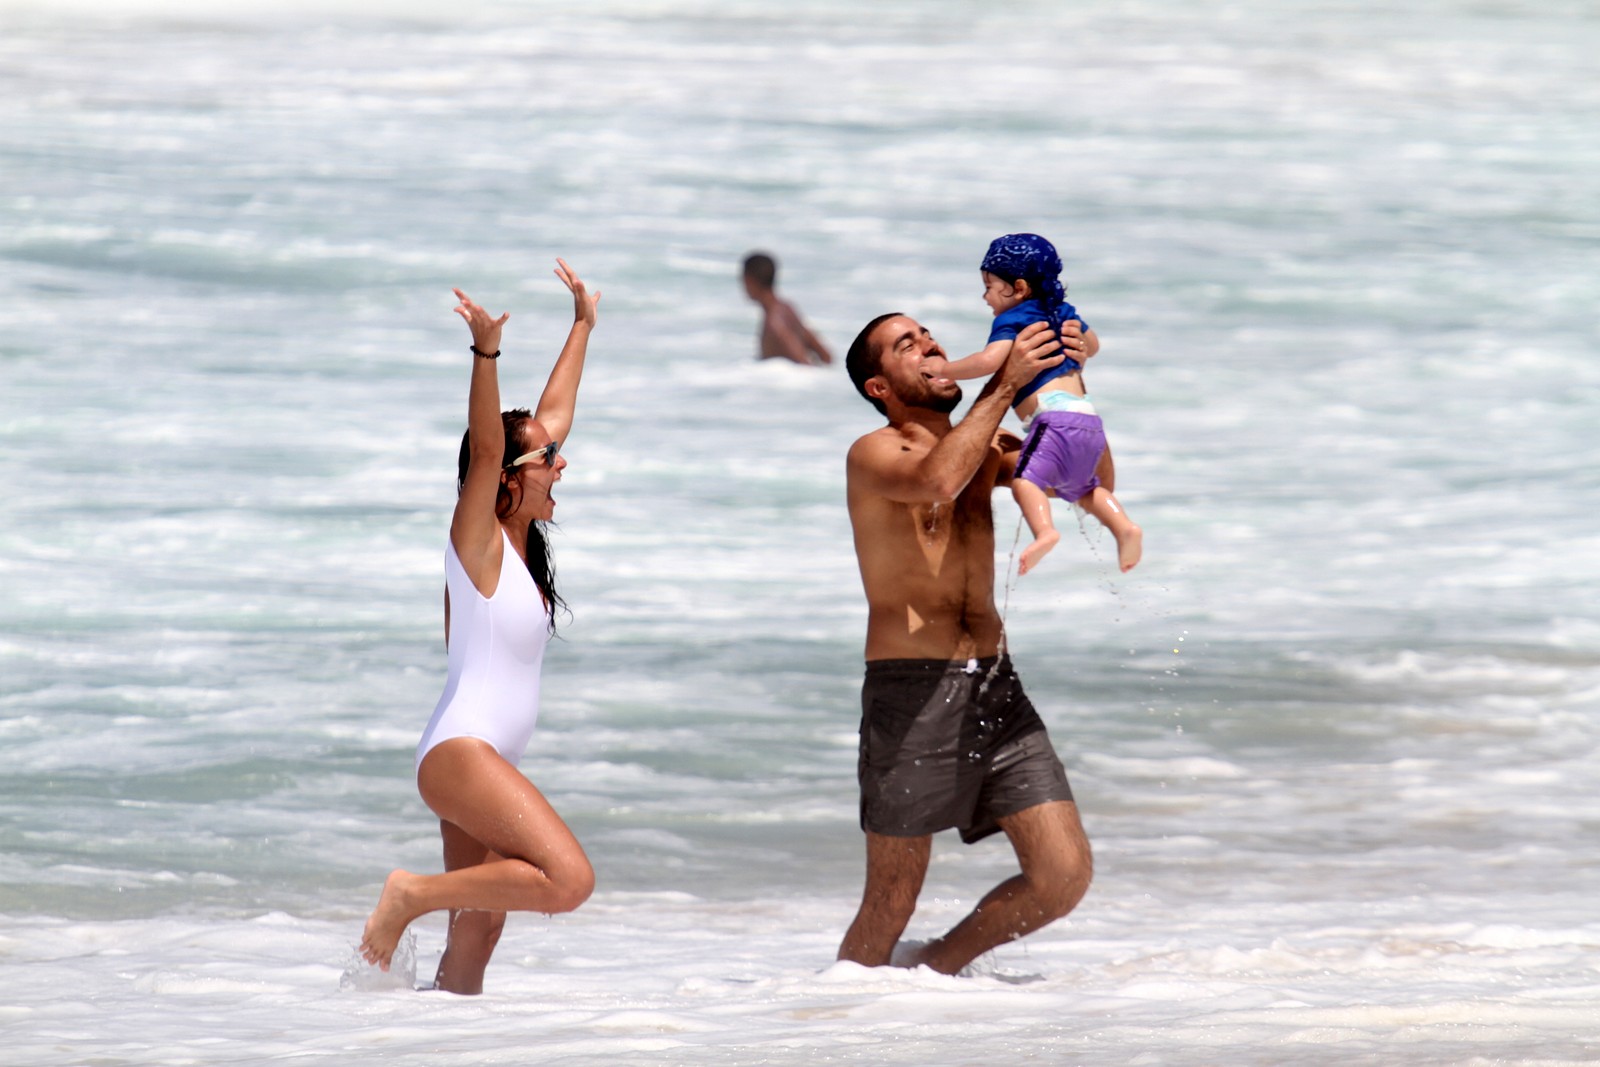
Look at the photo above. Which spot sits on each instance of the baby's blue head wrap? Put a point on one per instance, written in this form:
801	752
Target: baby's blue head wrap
1027	255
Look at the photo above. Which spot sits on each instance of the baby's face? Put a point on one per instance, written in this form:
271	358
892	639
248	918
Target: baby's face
999	294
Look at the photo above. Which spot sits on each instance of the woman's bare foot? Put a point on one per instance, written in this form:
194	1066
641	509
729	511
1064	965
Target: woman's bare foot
1036	551
388	920
1130	546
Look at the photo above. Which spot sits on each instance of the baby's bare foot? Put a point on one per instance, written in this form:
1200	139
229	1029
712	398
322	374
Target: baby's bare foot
1038	550
1130	546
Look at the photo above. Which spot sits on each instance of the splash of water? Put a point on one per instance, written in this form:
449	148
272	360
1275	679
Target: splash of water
1005	607
362	977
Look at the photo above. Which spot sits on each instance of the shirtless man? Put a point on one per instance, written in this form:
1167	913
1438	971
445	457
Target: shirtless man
947	737
784	335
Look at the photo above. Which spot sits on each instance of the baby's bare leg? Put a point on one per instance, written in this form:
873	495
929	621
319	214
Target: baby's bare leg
1130	538
1035	505
1106	470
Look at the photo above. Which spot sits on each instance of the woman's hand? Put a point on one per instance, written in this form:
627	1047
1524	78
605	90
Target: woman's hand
485	330
583	305
560	397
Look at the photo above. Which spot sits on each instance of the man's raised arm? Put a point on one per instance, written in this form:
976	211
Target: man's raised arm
881	464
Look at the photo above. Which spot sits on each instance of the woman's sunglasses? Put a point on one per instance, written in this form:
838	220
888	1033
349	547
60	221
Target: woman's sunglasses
548	453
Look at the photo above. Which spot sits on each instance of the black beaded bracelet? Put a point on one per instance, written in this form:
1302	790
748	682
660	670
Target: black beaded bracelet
484	355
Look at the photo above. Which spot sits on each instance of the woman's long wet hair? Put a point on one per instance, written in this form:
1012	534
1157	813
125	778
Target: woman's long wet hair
540	565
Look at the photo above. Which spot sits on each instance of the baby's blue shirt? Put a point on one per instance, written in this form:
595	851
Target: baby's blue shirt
1009	323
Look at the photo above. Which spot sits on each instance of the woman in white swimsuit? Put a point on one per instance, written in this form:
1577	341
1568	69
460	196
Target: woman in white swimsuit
505	848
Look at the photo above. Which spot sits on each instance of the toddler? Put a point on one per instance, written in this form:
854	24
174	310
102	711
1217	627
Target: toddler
1065	438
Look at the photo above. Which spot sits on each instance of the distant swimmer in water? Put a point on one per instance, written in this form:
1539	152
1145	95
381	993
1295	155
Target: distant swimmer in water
1065	454
783	334
505	848
948	737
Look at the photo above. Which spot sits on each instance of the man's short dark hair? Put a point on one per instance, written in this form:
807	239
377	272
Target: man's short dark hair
761	269
865	360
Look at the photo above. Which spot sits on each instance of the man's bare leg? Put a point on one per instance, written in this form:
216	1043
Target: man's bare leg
1035	505
895	869
1056	869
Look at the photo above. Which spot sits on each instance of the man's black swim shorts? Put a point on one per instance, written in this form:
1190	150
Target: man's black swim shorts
951	745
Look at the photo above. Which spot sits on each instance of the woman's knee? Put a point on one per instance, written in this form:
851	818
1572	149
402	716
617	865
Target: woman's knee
569	888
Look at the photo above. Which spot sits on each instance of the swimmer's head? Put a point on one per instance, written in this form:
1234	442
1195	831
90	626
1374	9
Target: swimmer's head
760	273
1024	257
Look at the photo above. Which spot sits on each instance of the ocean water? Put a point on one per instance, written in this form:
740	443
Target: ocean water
1335	740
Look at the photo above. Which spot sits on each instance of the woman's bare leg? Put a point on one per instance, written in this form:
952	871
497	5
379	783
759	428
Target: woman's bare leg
473	934
541	866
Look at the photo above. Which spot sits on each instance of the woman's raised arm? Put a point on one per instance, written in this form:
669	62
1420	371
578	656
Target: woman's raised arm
560	396
475	529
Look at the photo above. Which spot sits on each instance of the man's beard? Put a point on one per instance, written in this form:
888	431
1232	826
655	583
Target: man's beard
932	401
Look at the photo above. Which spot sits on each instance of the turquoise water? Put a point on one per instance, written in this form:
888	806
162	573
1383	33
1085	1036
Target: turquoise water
1333	740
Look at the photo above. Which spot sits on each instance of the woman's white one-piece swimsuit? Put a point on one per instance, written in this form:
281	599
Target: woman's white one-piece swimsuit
496	649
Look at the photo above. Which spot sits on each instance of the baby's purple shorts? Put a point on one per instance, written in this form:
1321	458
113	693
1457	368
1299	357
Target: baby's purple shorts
1061	451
